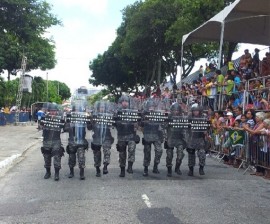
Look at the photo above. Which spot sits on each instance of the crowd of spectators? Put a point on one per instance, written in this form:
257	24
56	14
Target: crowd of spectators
237	100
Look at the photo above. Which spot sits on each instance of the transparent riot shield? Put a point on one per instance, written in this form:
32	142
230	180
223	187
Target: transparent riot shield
101	123
76	128
127	117
176	127
197	119
155	115
77	122
198	127
52	124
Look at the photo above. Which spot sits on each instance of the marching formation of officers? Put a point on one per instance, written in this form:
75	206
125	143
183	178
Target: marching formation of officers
162	125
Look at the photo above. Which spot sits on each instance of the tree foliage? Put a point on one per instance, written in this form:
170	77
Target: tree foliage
57	92
148	43
23	24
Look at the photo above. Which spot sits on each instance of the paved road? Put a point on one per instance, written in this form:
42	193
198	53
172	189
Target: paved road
14	141
223	195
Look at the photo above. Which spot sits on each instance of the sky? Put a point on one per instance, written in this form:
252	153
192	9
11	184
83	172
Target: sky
89	28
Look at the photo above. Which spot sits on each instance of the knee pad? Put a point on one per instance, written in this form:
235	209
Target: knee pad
95	147
59	152
120	147
191	151
47	151
137	139
72	149
166	145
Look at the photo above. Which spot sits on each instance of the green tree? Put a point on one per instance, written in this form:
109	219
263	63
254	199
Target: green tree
10	92
2	90
38	90
148	43
22	27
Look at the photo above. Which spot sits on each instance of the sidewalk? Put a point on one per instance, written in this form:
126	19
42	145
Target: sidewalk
15	140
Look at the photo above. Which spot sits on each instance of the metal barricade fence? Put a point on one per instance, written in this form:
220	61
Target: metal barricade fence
260	151
254	151
3	120
10	118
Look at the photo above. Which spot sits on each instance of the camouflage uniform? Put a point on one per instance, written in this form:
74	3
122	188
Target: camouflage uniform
126	136
101	137
153	133
196	142
77	145
52	147
174	139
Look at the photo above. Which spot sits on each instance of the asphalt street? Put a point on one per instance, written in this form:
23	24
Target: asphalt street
223	195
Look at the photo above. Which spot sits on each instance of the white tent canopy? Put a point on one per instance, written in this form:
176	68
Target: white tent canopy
244	21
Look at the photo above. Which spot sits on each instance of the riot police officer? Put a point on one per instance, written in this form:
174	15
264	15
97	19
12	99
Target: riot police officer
152	123
78	120
52	148
196	142
174	139
126	125
101	125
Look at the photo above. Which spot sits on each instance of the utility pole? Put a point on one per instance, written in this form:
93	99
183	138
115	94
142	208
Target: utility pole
20	88
47	87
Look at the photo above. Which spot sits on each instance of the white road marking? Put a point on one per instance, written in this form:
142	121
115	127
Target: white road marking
146	200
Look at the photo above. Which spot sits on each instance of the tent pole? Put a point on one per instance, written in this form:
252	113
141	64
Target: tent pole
221	44
181	64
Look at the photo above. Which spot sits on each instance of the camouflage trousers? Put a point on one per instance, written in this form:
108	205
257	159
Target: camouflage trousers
80	156
147	152
179	155
52	149
131	148
192	157
106	155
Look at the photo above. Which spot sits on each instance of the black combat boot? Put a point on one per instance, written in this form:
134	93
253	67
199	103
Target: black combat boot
177	169
122	174
129	169
48	173
155	168
190	173
169	174
105	168
82	177
145	171
56	174
201	172
71	174
98	172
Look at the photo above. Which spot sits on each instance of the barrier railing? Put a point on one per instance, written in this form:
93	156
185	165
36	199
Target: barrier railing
10	118
250	151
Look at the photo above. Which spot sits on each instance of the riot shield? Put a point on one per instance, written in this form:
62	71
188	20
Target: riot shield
154	116
177	125
127	118
52	124
102	122
198	126
77	121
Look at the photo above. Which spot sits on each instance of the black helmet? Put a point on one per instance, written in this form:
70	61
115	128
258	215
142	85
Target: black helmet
123	98
149	104
196	108
101	105
50	106
175	107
